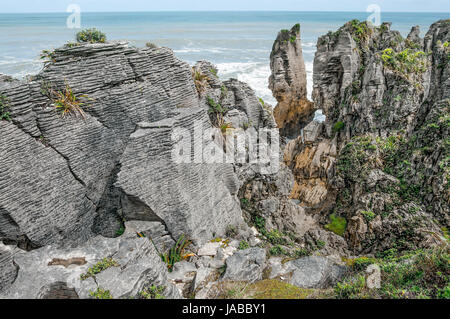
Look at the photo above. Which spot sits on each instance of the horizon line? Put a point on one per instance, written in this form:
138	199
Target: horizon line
183	11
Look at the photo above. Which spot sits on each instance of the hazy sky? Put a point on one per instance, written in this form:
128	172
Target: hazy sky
211	5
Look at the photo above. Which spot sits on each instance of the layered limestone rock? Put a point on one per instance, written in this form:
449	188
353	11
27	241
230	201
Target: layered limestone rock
288	83
380	160
52	273
70	178
151	157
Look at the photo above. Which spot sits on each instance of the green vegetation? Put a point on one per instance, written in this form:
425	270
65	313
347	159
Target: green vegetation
176	253
91	35
4	106
292	39
337	225
48	56
406	62
154	292
243	245
215	108
217	112
275	289
302	252
66	102
267	289
361	31
102	265
101	294
277	250
214	72
368	215
274	236
200	81
339	126
421	274
151	45
120	231
71	44
351	289
320	244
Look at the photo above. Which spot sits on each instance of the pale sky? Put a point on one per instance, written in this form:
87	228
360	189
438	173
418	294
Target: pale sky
224	5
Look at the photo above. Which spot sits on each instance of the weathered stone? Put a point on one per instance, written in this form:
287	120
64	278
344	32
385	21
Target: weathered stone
138	267
309	272
246	265
288	83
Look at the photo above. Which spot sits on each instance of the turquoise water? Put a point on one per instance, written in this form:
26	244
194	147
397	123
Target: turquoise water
239	43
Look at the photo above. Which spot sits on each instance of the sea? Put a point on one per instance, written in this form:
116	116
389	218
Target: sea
238	43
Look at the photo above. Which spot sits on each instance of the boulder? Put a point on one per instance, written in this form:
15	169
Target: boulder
246	265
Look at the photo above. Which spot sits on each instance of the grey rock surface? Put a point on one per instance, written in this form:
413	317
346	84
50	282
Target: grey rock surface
288	83
50	271
70	179
246	265
308	272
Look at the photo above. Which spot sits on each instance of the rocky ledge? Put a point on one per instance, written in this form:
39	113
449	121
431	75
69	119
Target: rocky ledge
93	204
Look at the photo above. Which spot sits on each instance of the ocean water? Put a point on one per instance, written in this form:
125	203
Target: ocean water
239	43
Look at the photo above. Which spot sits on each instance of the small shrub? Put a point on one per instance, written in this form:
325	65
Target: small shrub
200	81
338	126
277	251
176	253
91	35
361	263
406	62
360	30
275	237
243	245
350	289
154	292
214	72
4	105
151	45
48	56
320	244
66	102
102	265
368	215
302	253
260	223
217	111
337	225
101	294
120	231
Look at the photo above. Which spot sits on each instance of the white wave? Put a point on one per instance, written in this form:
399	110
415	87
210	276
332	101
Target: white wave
254	74
19	68
308	44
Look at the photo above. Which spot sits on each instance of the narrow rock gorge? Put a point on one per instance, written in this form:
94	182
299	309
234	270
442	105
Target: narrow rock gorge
93	204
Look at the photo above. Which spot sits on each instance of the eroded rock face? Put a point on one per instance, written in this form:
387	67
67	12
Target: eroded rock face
246	265
308	272
288	83
69	179
8	271
385	99
42	273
